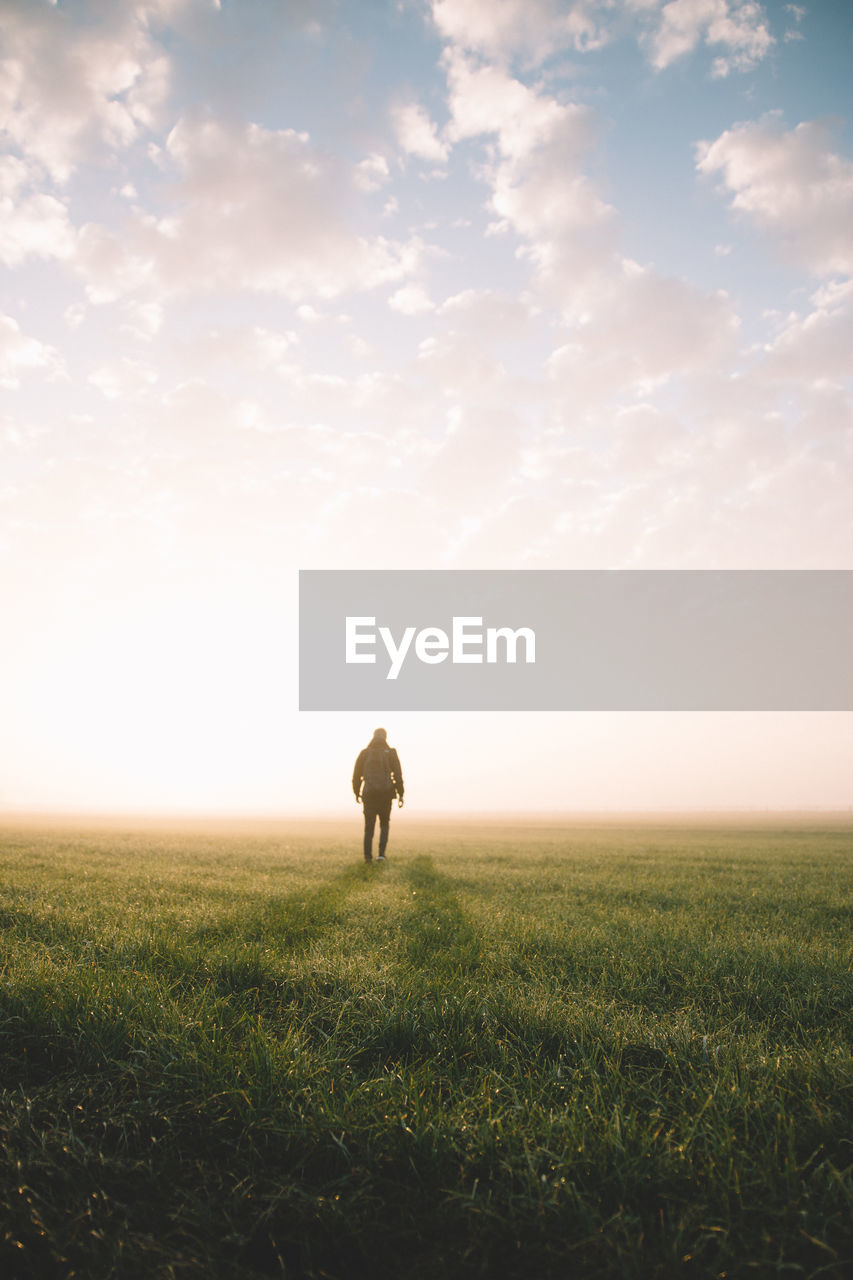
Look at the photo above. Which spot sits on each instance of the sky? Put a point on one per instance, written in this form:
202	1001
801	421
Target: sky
460	284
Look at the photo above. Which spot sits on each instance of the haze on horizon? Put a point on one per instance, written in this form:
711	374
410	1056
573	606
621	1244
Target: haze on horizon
447	284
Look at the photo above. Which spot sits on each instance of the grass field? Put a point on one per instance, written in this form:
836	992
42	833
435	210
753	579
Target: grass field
578	1050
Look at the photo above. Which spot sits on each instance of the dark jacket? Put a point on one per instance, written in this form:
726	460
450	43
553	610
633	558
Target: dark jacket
394	763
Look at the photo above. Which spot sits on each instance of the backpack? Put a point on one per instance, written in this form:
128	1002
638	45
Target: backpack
377	769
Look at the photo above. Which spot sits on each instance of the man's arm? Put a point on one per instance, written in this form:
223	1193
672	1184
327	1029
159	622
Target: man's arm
357	773
397	773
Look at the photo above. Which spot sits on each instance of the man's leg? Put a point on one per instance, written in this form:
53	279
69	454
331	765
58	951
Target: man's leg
369	827
384	812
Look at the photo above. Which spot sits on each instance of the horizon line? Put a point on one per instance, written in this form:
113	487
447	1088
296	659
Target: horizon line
344	813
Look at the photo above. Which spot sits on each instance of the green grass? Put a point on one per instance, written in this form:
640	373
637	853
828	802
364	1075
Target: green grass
607	1050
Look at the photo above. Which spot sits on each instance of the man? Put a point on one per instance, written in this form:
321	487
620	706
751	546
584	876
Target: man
376	779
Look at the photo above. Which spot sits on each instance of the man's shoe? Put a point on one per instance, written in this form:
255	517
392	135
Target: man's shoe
382	858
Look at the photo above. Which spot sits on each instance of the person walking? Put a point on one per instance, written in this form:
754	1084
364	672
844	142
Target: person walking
376	779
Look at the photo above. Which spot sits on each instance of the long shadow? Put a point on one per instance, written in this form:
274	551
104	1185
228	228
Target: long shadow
437	934
99	995
189	954
301	916
291	922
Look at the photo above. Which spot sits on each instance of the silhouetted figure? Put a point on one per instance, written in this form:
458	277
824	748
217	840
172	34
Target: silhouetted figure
376	779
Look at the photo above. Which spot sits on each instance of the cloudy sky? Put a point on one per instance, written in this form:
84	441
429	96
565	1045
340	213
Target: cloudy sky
461	284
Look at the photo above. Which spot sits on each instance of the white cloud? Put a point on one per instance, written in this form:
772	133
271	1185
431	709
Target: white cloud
817	347
645	332
32	223
20	354
738	26
487	312
511	534
371	173
255	209
417	134
532	28
791	183
460	367
797	13
74	315
724	480
14	175
488	100
108	264
648	439
37	226
538	188
69	85
478	455
144	320
123	378
411	300
631	327
241	350
274	347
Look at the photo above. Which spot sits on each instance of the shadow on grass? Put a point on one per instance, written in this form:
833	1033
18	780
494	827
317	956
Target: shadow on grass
233	954
297	919
76	1001
227	955
437	933
293	923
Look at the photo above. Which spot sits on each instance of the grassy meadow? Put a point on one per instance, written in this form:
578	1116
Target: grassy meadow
602	1049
